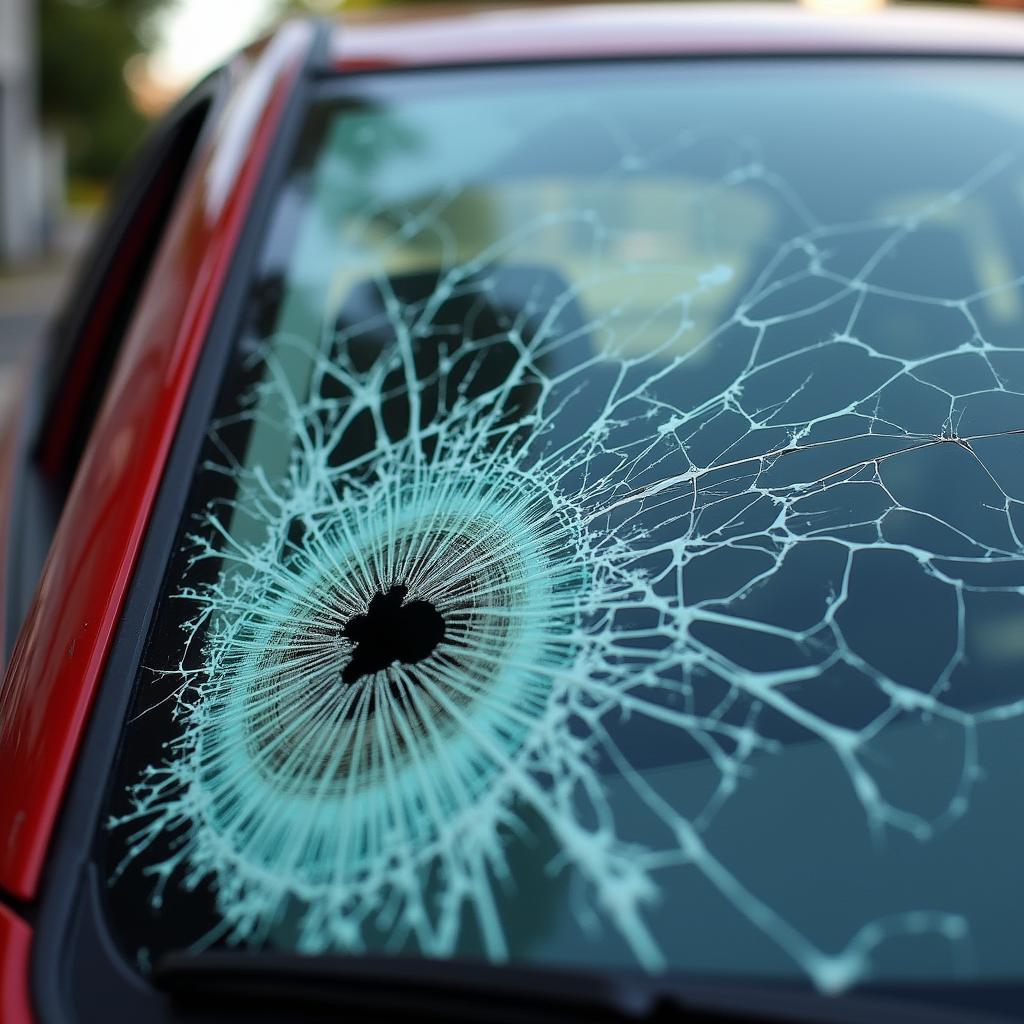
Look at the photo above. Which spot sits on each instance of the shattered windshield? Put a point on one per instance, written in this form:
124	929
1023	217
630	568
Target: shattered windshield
607	550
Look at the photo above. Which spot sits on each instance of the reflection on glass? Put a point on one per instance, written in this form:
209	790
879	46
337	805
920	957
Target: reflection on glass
608	551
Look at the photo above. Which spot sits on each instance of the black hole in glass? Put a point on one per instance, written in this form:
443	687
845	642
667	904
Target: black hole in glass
391	631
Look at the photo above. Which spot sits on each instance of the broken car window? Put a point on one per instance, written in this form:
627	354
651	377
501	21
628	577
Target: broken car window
608	548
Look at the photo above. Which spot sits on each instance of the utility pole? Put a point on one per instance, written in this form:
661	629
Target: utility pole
22	165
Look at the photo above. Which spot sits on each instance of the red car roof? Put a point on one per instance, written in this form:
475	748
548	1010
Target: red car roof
443	36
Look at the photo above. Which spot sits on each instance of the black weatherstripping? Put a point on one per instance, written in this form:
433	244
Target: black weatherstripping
379	988
256	987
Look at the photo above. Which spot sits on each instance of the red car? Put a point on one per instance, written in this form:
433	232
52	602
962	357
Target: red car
522	518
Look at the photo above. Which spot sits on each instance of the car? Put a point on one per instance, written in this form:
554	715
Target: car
521	517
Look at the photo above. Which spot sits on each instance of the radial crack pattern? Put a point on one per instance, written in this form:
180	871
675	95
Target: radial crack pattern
520	562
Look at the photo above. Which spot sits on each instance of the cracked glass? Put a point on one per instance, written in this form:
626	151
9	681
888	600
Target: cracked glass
607	549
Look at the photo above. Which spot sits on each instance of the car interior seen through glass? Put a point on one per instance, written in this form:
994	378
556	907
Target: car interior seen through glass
607	550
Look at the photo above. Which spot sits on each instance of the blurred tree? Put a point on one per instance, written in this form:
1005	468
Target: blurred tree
83	48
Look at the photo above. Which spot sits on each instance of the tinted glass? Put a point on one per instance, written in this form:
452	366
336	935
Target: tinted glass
608	548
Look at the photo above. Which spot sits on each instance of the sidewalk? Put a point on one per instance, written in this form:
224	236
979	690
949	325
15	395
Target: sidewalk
27	297
30	296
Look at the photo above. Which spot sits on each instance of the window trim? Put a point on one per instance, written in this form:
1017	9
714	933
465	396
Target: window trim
76	341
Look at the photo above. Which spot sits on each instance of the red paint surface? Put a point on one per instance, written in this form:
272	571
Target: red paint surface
530	34
48	690
15	946
9	440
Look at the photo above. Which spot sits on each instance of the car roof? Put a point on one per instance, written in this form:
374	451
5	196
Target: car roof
447	35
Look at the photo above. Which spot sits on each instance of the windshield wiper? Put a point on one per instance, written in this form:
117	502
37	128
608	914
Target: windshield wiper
247	986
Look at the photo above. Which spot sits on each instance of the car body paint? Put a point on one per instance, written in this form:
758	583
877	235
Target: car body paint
15	946
59	656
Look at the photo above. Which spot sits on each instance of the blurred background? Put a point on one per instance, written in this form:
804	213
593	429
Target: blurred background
79	81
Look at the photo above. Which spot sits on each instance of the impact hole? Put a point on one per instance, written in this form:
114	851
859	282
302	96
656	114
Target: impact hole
392	631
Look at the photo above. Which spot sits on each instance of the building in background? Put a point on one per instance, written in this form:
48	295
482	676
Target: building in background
29	165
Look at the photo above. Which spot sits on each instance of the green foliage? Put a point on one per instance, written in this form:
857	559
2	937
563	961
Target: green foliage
83	48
